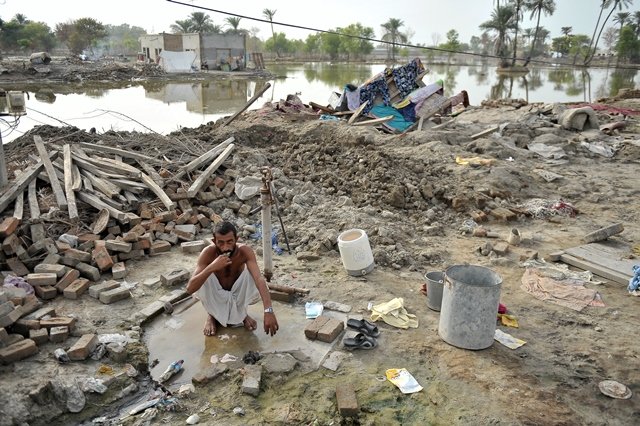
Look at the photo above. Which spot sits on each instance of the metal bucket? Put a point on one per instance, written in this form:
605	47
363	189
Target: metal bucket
469	306
435	284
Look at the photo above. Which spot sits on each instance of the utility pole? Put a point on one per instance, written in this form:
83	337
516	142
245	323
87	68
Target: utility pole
15	107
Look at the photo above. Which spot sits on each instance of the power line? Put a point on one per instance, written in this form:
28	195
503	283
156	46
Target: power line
284	24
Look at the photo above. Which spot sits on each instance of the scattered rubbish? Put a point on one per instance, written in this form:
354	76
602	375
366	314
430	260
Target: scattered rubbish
508	320
224	337
335	306
614	389
634	282
228	358
251	357
394	313
474	161
114	338
599	148
61	355
333	361
547	175
514	237
214	359
99	352
193	419
546	151
403	380
355	252
359	341
507	339
91	384
274	238
186	389
238	411
313	309
105	369
543	209
18	282
327	117
130	370
171	370
72	240
468	226
141	407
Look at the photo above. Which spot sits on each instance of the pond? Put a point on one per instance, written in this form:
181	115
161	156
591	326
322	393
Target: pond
164	107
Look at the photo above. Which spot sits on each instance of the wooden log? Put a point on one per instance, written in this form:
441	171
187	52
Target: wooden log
205	158
105	165
19	185
604	233
485	133
357	112
129	185
77	179
288	289
68	183
199	183
32	196
18	210
380	120
170	205
87	184
249	103
121	152
61	200
95	202
132	200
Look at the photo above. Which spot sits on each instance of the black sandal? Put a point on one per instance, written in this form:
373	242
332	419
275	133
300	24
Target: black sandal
364	326
360	341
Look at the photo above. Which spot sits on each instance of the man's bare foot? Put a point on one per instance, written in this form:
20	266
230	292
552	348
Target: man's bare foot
210	326
250	324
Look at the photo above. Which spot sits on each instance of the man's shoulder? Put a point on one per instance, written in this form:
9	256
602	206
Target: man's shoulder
210	250
245	249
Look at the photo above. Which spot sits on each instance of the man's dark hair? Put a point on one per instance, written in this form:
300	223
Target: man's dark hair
224	228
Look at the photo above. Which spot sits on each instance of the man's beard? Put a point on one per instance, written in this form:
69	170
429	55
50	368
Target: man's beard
229	253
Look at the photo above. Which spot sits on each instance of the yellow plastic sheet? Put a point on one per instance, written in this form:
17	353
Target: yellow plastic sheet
474	161
508	320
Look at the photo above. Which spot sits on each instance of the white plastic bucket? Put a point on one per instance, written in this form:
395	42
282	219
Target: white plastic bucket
355	252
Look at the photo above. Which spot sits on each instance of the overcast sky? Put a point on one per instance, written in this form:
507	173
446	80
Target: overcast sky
422	17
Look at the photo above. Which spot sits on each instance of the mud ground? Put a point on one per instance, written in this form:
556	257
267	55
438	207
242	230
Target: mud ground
410	196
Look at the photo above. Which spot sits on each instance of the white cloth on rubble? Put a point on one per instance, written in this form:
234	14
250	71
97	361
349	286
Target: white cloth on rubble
229	306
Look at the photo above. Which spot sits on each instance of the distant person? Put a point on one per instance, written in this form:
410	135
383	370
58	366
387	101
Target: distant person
227	280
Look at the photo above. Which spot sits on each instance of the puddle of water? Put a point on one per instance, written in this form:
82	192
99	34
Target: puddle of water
179	336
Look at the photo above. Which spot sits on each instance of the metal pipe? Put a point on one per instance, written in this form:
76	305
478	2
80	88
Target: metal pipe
265	198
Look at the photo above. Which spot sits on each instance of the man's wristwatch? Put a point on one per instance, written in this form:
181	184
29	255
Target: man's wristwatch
268	310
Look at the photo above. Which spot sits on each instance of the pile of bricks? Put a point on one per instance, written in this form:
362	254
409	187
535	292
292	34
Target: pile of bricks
324	328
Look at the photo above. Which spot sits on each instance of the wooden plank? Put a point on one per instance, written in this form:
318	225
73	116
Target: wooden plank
32	196
129	185
61	200
249	102
206	157
322	108
485	132
132	200
357	113
18	210
152	173
104	186
596	269
380	120
197	185
77	179
95	202
68	183
121	152
158	191
600	258
19	185
106	165
87	184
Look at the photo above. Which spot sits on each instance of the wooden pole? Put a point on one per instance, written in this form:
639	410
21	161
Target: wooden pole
265	198
251	101
68	183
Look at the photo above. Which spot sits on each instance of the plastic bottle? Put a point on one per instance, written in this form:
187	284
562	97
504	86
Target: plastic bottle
61	355
171	370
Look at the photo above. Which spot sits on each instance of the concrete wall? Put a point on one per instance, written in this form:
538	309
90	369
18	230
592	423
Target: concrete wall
192	42
213	48
151	45
173	42
222	47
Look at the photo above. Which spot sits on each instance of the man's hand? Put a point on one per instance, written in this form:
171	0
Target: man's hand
220	263
270	323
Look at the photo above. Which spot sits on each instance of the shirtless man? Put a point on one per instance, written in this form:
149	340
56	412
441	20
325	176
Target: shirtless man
227	279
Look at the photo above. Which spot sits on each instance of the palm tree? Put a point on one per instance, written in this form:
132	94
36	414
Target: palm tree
20	19
234	22
269	14
181	26
566	31
636	19
621	18
538	7
201	23
501	22
616	4
392	34
527	33
603	5
518	18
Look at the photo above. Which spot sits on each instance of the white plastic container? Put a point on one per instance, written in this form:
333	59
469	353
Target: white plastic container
355	252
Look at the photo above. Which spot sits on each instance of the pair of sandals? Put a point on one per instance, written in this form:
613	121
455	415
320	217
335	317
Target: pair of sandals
366	338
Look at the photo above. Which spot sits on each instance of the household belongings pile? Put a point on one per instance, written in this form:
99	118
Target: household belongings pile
401	93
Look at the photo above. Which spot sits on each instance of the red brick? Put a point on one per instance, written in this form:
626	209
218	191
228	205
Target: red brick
58	322
130	237
330	330
145	211
12	244
159	247
311	330
17	266
79	255
118	246
219	182
58	334
102	258
83	238
111	296
143	244
347	400
40	336
166	216
119	271
83	347
46	278
95	290
76	288
18	351
11	317
8	226
183	218
22	326
45	292
68	278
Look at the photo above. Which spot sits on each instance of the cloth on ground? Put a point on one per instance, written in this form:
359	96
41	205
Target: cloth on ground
353	97
634	282
405	76
370	91
399	122
394	313
229	306
564	291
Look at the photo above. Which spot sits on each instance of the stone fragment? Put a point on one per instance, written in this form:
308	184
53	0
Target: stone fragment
251	380
279	363
119	271
209	374
176	277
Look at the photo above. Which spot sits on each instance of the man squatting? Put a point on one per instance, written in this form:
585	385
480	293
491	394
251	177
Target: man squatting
227	280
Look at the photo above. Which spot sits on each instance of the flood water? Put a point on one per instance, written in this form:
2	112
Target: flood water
167	106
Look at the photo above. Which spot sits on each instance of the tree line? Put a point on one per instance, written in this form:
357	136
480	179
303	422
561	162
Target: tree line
502	35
